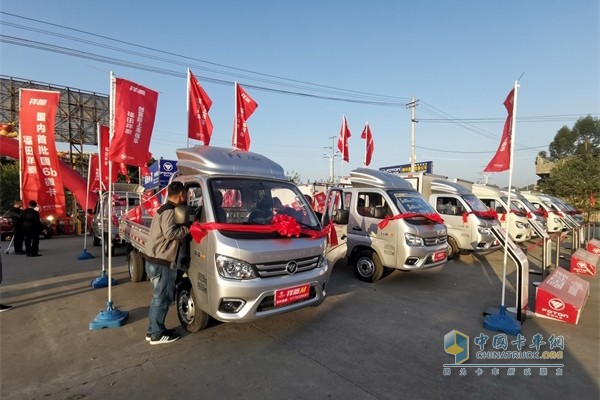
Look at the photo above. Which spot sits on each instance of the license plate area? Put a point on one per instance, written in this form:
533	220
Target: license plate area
439	256
291	295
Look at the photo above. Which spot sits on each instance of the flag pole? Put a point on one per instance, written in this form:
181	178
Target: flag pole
111	317
187	104
84	255
235	118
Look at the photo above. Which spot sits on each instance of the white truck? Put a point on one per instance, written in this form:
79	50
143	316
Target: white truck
554	220
382	221
532	212
262	251
125	196
467	219
511	218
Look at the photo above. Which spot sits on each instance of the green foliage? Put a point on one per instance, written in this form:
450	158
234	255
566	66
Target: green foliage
582	140
294	177
9	185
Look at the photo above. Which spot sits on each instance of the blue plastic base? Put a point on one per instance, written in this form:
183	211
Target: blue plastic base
111	318
102	282
502	322
85	255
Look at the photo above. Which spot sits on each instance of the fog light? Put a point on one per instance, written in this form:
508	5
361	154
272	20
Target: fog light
412	260
231	306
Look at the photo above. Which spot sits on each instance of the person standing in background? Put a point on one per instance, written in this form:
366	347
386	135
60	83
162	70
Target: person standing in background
32	227
17	225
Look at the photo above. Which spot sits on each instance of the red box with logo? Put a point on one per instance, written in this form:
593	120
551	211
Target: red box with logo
593	246
584	263
562	296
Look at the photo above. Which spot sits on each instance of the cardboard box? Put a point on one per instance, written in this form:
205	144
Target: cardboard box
562	296
584	263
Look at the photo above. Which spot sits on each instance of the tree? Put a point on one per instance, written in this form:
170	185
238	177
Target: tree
583	139
294	177
9	185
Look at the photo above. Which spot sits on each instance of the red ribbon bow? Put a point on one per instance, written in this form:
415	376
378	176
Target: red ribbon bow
435	217
482	214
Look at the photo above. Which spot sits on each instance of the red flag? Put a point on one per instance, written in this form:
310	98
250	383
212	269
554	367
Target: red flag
501	160
153	203
134	214
200	126
123	171
94	183
592	200
245	106
103	149
134	112
343	140
41	180
366	134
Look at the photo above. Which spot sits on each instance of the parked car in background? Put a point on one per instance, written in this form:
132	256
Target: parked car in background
6	228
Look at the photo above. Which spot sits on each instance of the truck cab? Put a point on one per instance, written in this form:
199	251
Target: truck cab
512	219
382	221
467	219
553	218
532	212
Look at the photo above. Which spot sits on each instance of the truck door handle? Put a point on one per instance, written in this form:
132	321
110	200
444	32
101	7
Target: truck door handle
357	228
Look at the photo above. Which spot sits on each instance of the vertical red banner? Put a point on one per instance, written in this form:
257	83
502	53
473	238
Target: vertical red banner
342	144
94	183
134	113
245	106
501	160
103	149
40	176
370	146
200	126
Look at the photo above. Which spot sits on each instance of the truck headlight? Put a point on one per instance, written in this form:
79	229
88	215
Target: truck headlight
522	225
413	240
556	221
322	262
483	230
234	269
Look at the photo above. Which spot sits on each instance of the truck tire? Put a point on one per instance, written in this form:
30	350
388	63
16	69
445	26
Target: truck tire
135	264
192	318
112	251
367	266
452	249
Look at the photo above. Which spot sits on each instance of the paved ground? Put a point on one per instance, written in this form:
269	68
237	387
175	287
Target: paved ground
367	341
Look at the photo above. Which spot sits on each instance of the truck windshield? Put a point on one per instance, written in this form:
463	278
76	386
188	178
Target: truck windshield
513	206
474	203
411	203
257	201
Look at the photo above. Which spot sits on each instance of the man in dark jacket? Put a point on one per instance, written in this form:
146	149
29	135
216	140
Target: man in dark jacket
161	254
32	227
17	225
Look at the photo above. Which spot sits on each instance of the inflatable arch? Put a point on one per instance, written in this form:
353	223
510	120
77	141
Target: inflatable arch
72	181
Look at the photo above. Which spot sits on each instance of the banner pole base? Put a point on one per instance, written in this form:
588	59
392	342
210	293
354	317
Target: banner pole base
111	318
502	322
102	281
84	255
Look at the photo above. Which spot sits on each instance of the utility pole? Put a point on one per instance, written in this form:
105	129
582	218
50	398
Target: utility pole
331	159
412	105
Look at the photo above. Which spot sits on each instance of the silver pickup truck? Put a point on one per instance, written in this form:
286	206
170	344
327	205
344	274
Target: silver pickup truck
259	249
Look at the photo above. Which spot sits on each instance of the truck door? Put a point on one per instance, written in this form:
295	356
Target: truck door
337	212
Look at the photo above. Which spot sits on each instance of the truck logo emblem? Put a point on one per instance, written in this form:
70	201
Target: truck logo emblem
291	267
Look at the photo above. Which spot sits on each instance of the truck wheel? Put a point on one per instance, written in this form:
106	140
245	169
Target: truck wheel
367	266
96	241
452	249
112	251
135	263
192	318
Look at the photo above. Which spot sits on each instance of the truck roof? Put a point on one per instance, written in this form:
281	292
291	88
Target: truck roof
445	186
486	190
210	160
366	177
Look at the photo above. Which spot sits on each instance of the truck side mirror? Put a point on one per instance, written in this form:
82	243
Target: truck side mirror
340	216
184	215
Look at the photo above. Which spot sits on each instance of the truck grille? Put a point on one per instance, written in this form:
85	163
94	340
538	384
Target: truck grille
434	241
268	302
279	267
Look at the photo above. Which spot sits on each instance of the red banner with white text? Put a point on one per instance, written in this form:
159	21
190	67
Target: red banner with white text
245	106
134	113
200	126
103	149
41	180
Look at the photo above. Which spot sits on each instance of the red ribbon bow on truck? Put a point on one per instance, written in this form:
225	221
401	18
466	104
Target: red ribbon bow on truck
435	217
489	214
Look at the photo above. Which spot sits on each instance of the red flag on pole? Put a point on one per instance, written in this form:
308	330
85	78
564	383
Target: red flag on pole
342	143
501	160
244	107
41	180
94	183
103	148
134	112
370	147
200	126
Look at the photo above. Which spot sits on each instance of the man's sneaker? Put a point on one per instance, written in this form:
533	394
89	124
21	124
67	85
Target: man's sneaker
163	339
166	332
5	307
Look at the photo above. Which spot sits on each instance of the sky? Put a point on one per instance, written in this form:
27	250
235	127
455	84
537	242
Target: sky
307	64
